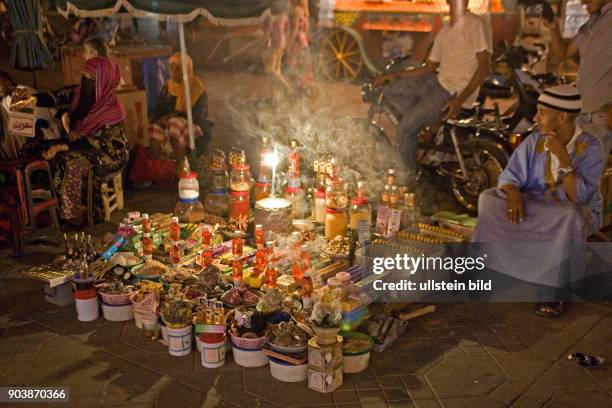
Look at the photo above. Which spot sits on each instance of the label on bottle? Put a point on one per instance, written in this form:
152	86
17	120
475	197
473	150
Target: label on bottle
395	220
382	220
364	232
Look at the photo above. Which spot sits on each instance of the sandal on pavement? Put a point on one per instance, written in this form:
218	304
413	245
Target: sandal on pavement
585	360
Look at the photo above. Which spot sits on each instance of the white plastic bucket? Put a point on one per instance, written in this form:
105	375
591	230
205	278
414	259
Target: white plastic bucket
213	354
356	363
87	309
179	341
249	358
150	325
286	372
138	320
121	313
60	295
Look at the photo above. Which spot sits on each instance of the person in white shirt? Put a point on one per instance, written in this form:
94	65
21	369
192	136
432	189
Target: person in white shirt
458	63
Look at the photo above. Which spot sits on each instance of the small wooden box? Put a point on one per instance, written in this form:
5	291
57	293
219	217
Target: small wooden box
325	381
324	358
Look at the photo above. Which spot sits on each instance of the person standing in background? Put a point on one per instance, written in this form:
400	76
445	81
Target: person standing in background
593	44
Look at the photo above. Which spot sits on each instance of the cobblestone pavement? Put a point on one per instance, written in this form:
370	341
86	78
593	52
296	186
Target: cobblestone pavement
463	355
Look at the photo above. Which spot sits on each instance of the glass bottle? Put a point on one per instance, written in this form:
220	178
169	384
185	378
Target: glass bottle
240	177
319	206
410	211
382	212
270	270
175	254
147	246
217	202
335	223
239	205
394	197
207	253
237	271
336	195
146	223
307	285
391	176
297	270
237	246
175	230
295	195
361	211
293	173
259	236
265	171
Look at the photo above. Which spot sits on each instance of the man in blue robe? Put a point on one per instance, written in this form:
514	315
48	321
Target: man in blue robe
548	195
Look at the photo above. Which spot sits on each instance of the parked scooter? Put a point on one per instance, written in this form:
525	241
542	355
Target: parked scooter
468	158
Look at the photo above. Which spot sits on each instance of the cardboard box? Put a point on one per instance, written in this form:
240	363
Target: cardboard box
324	358
21	124
136	121
325	381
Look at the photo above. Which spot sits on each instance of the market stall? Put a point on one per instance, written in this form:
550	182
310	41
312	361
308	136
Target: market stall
257	268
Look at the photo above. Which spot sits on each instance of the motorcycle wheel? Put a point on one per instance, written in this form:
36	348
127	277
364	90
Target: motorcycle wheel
484	162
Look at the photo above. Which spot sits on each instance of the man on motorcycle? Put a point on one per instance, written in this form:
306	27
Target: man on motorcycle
458	63
593	45
548	195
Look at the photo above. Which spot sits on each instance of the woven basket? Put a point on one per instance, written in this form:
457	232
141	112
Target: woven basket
248	344
116	300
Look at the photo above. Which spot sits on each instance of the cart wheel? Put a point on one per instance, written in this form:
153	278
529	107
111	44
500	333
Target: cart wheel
340	58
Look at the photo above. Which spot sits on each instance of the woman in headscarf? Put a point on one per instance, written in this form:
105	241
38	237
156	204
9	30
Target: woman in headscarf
169	115
96	136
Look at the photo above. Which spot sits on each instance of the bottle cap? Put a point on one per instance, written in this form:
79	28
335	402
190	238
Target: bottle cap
175	220
145	216
391	170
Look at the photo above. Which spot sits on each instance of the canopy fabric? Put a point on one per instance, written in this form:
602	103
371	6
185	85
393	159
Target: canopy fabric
218	12
29	49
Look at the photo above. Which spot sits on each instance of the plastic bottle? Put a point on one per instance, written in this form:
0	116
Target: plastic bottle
146	223
391	176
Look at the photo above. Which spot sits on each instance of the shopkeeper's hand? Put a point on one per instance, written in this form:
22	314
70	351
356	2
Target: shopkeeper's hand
554	146
453	108
515	208
53	150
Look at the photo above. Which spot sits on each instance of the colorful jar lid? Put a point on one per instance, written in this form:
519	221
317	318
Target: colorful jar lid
292	189
263	184
243	166
320	193
359	201
191	175
333	211
239	193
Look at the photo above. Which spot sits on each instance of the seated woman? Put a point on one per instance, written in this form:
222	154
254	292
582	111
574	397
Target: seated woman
96	135
547	197
169	115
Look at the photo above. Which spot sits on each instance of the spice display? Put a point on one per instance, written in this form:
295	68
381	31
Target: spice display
151	268
339	245
240	296
177	314
288	334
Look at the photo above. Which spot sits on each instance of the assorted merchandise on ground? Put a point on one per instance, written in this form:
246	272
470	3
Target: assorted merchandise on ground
275	280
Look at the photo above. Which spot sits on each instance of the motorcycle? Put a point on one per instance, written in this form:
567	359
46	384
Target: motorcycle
464	152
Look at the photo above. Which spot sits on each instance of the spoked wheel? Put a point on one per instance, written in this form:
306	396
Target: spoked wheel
340	57
484	162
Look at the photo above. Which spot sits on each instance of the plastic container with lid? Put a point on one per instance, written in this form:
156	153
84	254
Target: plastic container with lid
219	179
217	202
295	195
188	186
240	178
239	205
335	223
